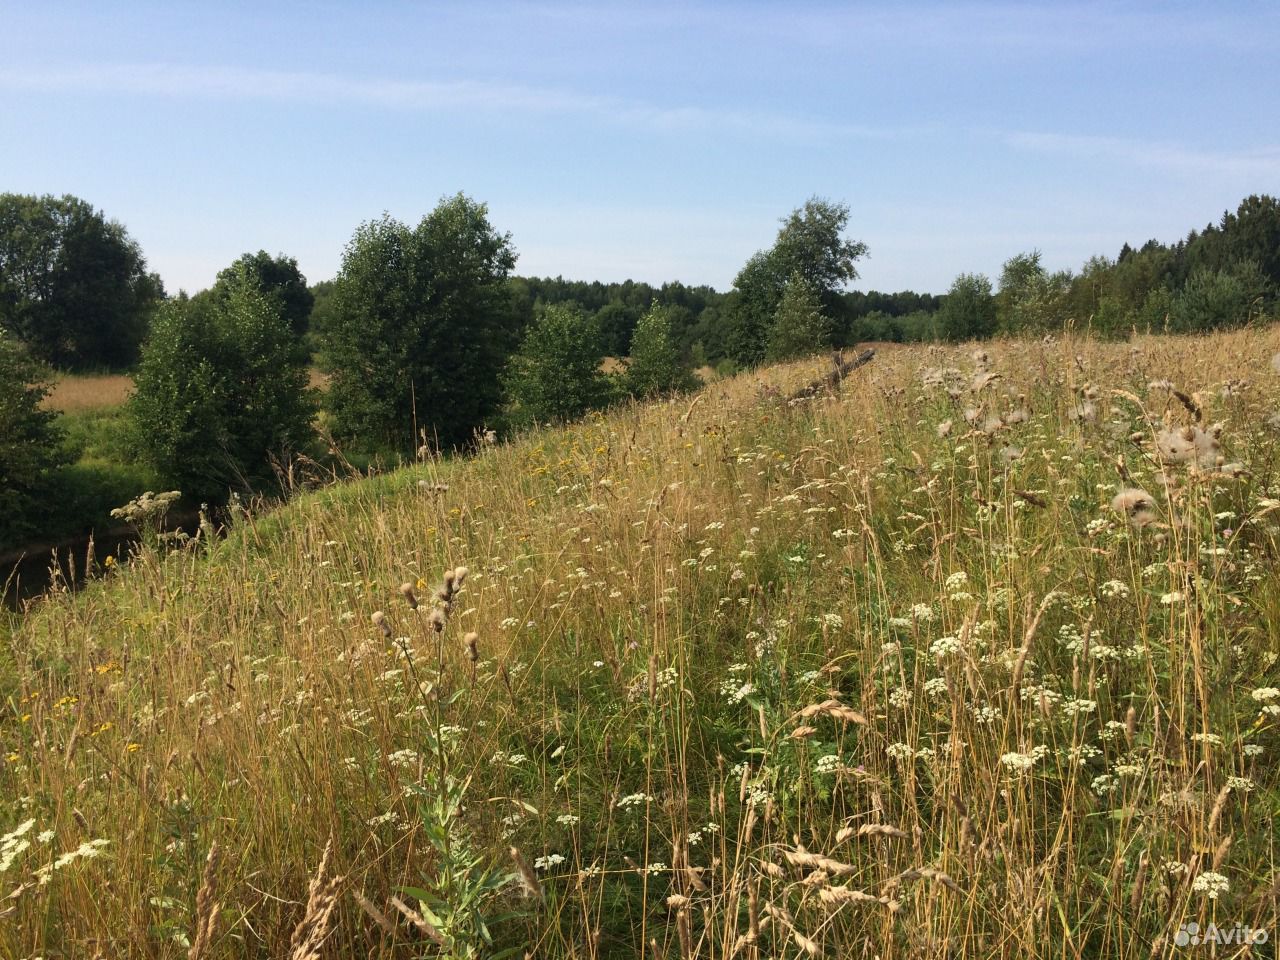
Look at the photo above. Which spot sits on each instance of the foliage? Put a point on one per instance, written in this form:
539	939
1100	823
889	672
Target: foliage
420	328
799	327
809	243
73	285
656	365
1030	299
1219	299
221	391
29	443
968	311
555	375
277	278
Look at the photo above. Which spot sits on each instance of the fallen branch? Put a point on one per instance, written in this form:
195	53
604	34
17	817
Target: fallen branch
832	380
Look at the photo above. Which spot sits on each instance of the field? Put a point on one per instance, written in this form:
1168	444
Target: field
73	393
977	658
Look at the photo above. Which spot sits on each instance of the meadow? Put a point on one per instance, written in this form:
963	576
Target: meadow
976	657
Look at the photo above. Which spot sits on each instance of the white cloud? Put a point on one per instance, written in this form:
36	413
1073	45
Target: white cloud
246	83
1258	162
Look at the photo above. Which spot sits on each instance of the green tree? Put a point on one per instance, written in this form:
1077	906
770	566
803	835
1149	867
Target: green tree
657	365
968	311
799	327
555	375
277	278
73	285
1030	299
221	391
30	451
617	323
811	243
420	327
1219	299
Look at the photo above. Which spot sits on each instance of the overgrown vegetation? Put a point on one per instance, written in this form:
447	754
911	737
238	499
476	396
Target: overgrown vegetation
221	391
978	658
421	334
29	451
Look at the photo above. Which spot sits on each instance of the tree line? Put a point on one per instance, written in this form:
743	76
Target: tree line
427	338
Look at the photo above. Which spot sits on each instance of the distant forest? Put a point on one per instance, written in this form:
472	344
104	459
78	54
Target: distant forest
75	290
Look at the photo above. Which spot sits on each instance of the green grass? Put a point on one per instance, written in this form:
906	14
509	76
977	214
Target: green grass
100	477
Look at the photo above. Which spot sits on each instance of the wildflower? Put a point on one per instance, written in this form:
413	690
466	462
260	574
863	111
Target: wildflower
1105	784
1076	707
1018	763
899	751
1210	884
549	861
987	714
945	646
827	764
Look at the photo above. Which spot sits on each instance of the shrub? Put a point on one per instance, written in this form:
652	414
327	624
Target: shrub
799	327
222	388
30	451
968	311
656	366
556	374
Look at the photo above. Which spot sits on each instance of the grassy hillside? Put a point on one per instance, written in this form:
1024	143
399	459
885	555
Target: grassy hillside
886	674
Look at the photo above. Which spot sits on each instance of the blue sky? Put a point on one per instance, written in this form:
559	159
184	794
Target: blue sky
652	141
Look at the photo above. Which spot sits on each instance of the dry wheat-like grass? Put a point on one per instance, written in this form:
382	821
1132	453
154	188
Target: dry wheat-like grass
1023	705
322	897
73	393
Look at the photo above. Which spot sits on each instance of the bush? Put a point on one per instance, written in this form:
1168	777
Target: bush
222	388
30	451
968	311
799	327
556	375
656	366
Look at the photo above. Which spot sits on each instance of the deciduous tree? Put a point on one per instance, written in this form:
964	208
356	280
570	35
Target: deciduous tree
74	286
221	391
555	375
420	328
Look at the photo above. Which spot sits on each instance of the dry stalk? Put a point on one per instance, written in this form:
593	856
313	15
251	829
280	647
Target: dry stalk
207	908
322	895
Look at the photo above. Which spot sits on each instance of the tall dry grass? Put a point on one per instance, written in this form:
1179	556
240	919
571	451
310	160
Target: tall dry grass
876	675
74	393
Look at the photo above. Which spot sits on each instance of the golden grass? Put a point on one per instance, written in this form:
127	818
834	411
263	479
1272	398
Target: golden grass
727	678
72	393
